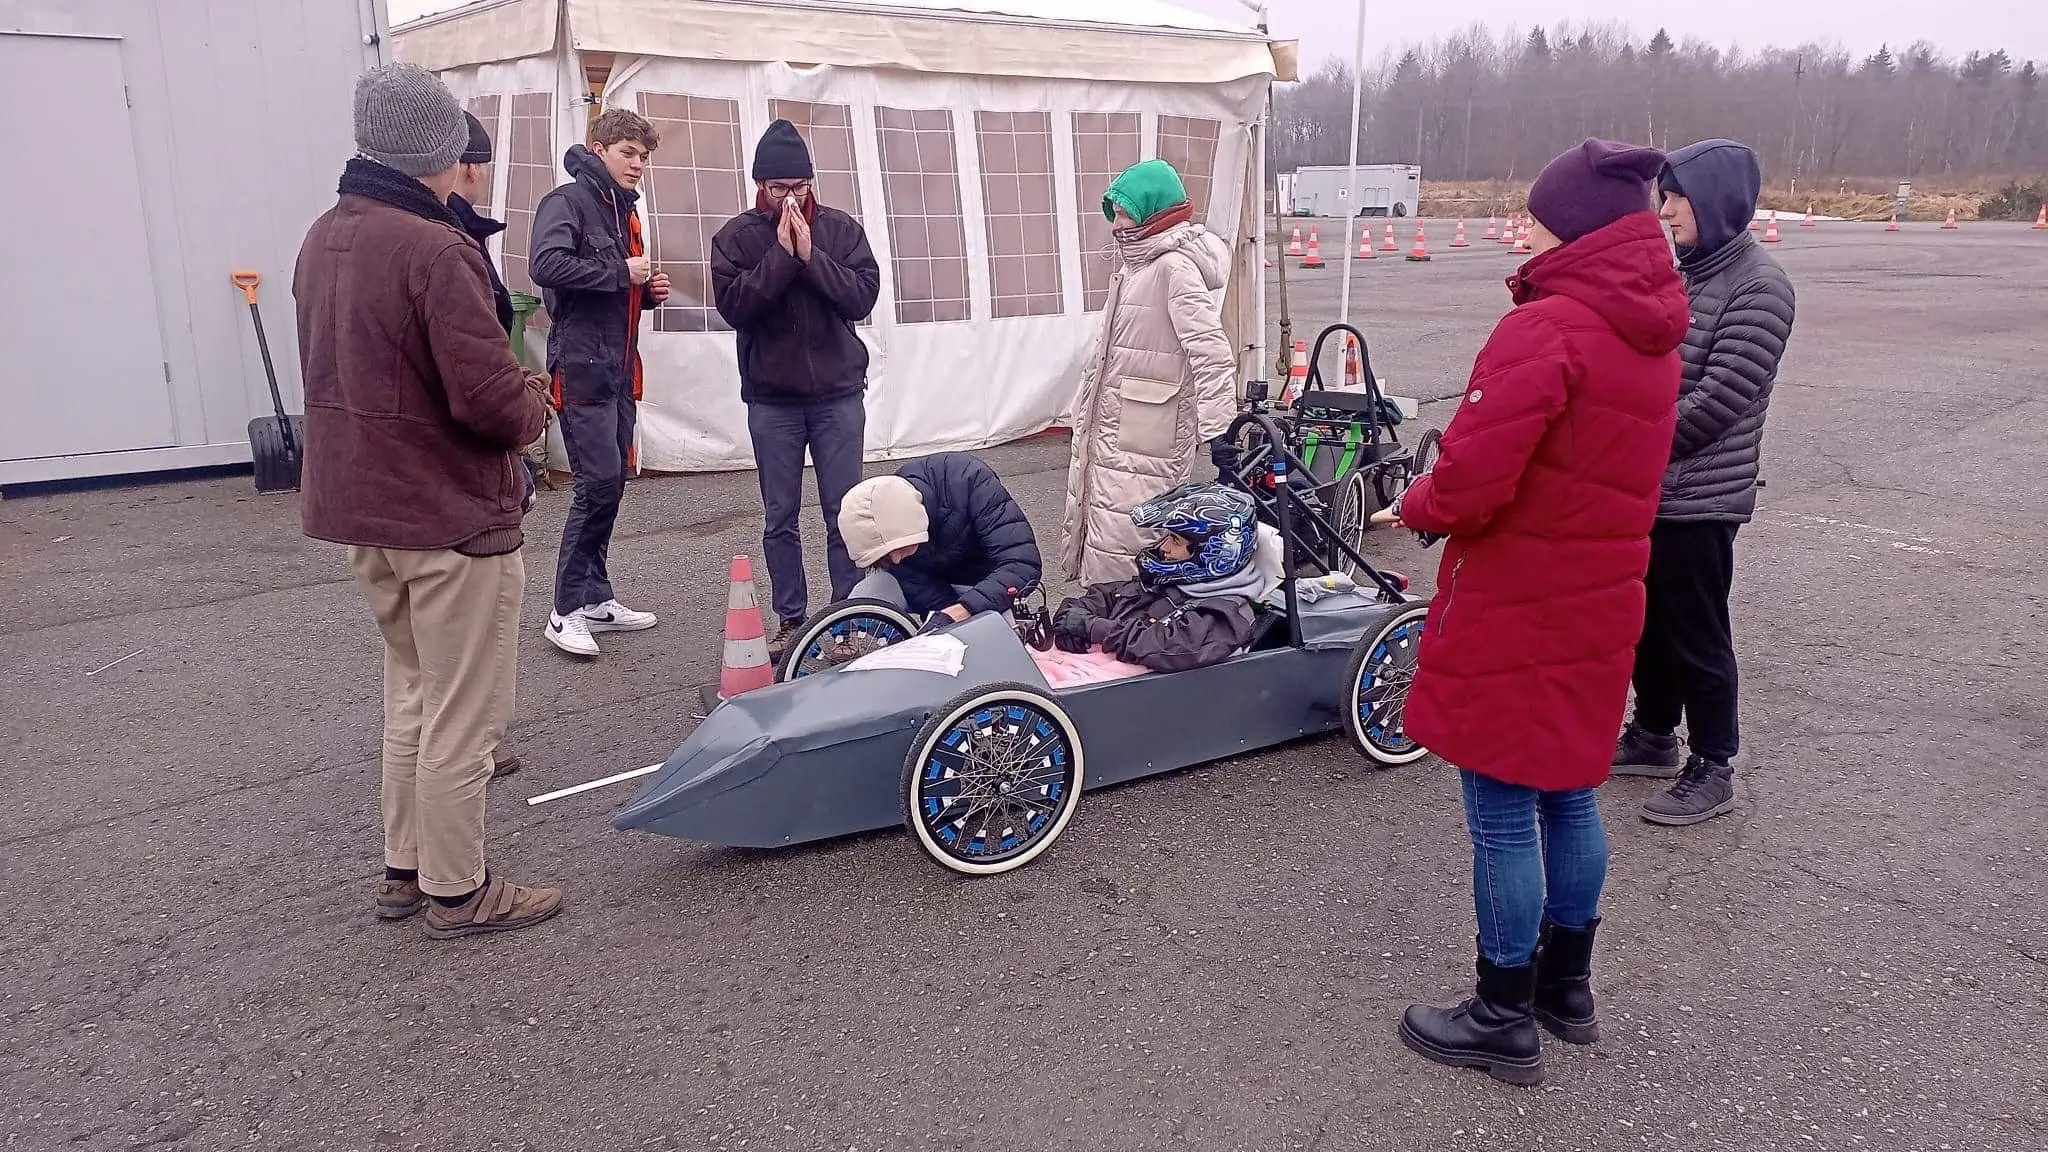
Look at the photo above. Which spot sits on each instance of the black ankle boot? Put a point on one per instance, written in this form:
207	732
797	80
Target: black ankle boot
1564	984
1494	1030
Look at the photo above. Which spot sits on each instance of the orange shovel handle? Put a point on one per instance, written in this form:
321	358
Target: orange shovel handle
247	282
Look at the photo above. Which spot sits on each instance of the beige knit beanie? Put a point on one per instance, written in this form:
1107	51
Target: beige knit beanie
880	515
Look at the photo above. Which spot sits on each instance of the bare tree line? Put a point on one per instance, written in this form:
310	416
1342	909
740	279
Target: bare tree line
1477	106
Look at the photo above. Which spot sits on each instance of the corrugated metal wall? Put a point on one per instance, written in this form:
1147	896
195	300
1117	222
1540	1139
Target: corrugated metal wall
241	122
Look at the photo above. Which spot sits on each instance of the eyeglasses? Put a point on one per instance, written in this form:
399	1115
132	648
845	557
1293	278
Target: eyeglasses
778	189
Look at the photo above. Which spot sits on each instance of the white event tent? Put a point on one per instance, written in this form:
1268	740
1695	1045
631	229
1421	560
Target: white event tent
972	138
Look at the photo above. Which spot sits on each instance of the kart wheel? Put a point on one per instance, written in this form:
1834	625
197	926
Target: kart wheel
842	634
992	779
1348	518
1376	689
1425	453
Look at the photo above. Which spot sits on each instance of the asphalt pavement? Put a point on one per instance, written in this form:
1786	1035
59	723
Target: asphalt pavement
1854	958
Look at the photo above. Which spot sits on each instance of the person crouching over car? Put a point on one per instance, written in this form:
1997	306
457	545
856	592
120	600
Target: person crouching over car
941	538
1190	603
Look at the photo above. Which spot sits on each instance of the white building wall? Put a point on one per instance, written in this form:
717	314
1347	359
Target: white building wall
241	118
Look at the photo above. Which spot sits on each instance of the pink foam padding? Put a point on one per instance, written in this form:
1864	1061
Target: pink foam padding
1073	669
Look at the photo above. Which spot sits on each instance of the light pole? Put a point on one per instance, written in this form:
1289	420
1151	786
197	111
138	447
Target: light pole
1351	181
1259	131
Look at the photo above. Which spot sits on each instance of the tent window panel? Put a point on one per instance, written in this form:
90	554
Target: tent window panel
530	175
485	109
1105	143
927	234
1020	211
1189	144
694	185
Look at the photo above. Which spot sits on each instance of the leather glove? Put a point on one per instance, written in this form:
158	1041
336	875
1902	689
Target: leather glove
1070	628
936	623
1223	454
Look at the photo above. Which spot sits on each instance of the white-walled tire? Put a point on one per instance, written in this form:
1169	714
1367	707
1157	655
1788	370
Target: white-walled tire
1376	689
841	634
992	779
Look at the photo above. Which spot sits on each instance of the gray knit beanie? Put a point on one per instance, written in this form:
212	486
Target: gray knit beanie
406	119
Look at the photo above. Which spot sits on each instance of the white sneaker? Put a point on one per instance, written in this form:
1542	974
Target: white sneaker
571	634
612	616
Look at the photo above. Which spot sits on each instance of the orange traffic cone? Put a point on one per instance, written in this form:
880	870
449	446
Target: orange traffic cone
1354	376
1388	245
1420	252
1297	373
1522	239
1459	240
1314	258
1894	225
1294	245
1949	225
1808	222
2041	219
1492	228
1771	233
1365	245
746	642
1752	222
1507	234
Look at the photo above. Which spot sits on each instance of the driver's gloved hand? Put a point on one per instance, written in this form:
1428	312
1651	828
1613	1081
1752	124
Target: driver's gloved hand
1070	628
936	623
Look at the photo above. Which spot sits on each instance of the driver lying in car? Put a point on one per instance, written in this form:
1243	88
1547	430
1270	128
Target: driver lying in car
941	538
1190	604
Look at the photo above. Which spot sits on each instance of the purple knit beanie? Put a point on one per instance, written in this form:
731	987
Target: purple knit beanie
1592	186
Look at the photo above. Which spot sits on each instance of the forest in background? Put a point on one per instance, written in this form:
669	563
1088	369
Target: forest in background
1485	107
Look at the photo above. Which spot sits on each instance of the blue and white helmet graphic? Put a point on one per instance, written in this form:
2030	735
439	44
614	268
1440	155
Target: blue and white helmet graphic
1220	525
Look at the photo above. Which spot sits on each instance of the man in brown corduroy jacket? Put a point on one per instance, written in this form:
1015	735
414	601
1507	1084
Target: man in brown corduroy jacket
415	415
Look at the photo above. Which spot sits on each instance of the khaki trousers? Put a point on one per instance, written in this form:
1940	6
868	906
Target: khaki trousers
451	654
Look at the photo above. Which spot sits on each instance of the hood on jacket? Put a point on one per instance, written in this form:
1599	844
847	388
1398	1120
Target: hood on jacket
475	223
1722	180
588	167
1623	272
1210	254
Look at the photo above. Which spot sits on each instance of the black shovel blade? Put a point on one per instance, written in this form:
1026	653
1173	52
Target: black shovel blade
277	467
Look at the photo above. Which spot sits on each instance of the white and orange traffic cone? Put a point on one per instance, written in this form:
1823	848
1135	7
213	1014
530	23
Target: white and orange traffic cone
1950	225
2041	219
1294	245
1492	228
1314	258
1365	245
1459	241
1354	375
1297	373
1388	245
1522	245
1507	234
746	664
1771	233
1752	222
1894	225
1808	222
1420	252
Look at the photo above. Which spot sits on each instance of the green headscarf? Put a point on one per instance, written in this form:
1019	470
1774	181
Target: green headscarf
1144	191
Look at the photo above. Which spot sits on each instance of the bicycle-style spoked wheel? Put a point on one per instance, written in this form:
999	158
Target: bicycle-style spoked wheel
1381	671
992	779
841	634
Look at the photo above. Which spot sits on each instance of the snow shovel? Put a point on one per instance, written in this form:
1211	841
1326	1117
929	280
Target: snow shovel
276	443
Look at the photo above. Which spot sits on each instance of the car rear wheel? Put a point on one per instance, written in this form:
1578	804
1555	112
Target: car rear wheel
1376	689
841	634
992	779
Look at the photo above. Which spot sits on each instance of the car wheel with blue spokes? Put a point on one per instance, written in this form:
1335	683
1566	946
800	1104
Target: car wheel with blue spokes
1376	689
841	634
992	779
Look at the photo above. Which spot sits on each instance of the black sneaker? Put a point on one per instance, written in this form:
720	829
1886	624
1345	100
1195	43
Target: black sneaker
1640	752
1703	791
781	641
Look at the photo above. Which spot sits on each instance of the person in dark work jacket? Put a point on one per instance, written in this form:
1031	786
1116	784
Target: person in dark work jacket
596	278
942	537
1742	307
795	278
473	168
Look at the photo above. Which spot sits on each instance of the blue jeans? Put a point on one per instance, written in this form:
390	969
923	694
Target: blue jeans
1535	856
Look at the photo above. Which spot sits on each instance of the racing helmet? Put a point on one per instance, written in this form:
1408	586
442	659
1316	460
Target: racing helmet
1219	523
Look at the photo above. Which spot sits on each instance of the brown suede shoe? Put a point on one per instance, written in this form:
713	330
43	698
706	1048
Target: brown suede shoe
496	907
507	764
398	899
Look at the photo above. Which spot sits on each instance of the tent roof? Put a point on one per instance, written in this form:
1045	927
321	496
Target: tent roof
1026	38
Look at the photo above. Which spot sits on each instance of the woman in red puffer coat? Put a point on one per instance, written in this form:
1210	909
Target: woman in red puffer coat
1546	489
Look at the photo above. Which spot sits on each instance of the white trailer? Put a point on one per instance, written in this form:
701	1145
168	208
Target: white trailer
1383	190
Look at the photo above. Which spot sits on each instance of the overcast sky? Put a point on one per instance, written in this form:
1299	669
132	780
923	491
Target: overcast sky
1326	27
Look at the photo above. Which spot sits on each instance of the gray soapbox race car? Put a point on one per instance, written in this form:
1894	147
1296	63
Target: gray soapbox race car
963	736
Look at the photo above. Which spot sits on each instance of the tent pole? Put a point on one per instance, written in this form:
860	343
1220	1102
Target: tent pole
1351	204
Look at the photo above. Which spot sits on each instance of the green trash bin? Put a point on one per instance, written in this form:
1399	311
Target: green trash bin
524	305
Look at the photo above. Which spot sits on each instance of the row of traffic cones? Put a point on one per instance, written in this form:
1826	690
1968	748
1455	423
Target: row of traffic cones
1297	369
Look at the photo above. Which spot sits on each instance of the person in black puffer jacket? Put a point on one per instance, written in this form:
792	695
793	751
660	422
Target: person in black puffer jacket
942	537
1742	308
795	278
